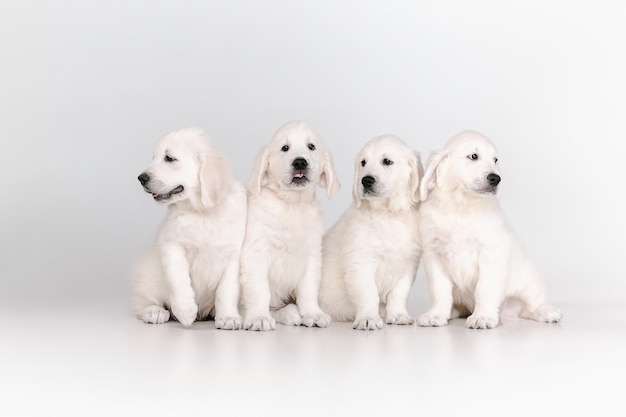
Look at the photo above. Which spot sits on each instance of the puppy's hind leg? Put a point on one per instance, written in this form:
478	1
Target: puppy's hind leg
459	311
535	306
153	314
532	295
287	315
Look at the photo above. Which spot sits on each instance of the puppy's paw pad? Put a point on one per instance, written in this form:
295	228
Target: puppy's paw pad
482	322
185	312
228	322
400	319
155	315
262	323
316	320
548	314
368	323
432	320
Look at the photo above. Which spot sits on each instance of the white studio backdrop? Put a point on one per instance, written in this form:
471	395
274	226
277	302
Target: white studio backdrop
88	87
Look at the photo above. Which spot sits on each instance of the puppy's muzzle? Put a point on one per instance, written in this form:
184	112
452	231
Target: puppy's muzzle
144	179
300	172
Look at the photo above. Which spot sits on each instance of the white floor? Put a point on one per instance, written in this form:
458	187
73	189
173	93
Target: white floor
98	360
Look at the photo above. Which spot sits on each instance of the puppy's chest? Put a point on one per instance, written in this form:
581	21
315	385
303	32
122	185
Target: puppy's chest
297	237
199	232
396	242
459	251
292	227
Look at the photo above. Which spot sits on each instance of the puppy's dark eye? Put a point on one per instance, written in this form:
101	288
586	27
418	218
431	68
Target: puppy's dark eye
495	160
387	162
311	147
285	148
169	158
473	156
363	163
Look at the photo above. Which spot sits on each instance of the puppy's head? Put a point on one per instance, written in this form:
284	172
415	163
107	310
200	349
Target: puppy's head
468	164
294	160
186	166
387	170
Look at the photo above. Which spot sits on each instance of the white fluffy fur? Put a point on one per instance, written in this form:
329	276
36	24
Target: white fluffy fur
281	256
371	255
473	261
192	270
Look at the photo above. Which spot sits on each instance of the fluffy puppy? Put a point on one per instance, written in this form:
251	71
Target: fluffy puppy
281	255
192	270
473	260
371	255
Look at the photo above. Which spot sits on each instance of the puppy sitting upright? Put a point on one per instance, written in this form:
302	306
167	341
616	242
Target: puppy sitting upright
192	269
371	255
472	259
281	255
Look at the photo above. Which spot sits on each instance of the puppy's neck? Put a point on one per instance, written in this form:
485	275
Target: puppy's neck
293	195
189	205
457	200
391	204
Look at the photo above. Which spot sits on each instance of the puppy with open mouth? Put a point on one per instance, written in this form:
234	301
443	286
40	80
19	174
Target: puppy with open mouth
281	255
192	270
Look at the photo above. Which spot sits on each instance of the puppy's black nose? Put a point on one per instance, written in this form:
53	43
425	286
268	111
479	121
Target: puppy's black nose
494	179
300	163
368	181
143	178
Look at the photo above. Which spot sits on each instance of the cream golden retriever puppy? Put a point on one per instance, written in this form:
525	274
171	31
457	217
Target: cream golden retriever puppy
473	261
192	270
371	255
281	255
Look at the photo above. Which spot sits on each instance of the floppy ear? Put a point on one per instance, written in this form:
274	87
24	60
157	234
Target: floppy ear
214	177
259	172
328	178
430	176
417	173
355	183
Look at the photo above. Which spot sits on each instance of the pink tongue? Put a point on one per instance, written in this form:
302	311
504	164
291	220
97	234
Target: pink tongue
299	175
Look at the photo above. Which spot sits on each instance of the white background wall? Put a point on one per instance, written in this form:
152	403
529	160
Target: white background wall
87	87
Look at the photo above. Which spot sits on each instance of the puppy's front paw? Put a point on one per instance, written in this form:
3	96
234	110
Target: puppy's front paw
547	314
476	321
260	323
228	322
400	319
320	319
368	323
155	315
432	320
185	312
